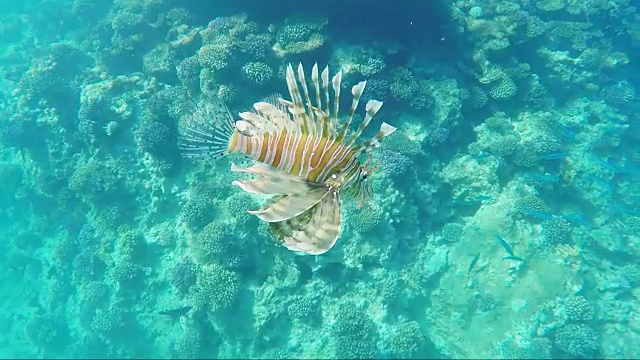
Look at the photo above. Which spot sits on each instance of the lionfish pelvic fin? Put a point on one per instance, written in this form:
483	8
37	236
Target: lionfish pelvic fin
269	180
290	206
314	231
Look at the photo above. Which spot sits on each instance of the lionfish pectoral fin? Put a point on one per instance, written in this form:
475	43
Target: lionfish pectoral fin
206	129
271	181
313	232
290	206
262	169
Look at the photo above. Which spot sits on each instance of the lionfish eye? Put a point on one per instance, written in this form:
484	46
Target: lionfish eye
364	176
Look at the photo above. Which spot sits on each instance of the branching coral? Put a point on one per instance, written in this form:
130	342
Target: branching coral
197	211
188	72
189	345
575	308
354	334
452	232
48	332
229	32
297	37
364	61
215	240
407	341
258	73
395	164
502	85
161	62
214	57
366	219
157	139
183	275
399	142
303	308
405	88
578	340
216	288
556	230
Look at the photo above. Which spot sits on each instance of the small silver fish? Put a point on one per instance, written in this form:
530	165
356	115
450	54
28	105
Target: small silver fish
176	313
473	263
514	258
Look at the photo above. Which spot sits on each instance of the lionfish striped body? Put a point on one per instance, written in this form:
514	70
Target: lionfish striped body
301	156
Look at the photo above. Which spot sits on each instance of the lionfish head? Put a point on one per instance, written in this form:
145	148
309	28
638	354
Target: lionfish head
362	189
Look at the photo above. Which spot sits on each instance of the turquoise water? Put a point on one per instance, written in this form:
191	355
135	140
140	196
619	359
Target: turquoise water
504	221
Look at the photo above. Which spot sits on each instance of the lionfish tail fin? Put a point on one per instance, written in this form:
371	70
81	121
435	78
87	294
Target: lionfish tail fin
206	129
314	231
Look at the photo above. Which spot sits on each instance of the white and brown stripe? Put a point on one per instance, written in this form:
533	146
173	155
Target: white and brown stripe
309	156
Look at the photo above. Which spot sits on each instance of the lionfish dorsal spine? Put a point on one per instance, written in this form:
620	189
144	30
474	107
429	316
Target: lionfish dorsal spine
297	108
322	116
372	107
356	92
259	123
274	112
316	85
373	143
336	81
325	87
311	119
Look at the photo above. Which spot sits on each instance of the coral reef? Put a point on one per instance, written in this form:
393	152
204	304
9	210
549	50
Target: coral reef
503	221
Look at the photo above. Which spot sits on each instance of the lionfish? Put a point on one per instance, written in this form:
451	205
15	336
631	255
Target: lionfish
301	156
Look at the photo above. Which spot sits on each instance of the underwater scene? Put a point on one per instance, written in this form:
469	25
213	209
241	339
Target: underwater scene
436	179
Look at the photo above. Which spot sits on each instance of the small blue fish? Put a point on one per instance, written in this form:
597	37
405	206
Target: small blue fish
535	213
621	209
609	164
463	202
576	219
546	177
602	183
482	155
568	133
505	245
552	156
483	198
